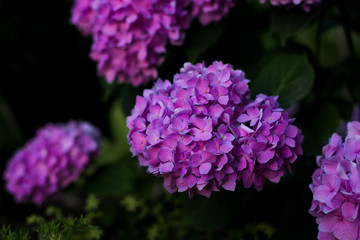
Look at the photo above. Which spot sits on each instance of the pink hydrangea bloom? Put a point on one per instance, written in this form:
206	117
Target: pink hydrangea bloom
130	39
336	187
268	142
83	15
305	4
50	161
129	36
203	132
208	11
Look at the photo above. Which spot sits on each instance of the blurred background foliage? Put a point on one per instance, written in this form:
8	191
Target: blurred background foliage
311	60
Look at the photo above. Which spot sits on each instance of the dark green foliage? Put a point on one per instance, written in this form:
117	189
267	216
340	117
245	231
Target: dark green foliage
287	24
114	177
7	234
57	229
109	89
290	77
68	228
55	226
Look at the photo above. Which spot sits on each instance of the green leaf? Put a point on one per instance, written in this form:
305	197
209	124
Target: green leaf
7	234
112	180
333	46
117	148
128	98
109	89
118	126
307	37
50	231
201	39
92	203
288	76
286	24
119	131
111	152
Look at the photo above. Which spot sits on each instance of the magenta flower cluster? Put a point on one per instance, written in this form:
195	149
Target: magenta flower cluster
305	4
50	161
203	132
208	11
336	187
129	36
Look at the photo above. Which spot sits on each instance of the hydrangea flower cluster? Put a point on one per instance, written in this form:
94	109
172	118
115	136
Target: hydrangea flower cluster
336	187
305	4
129	36
203	132
50	161
208	11
83	16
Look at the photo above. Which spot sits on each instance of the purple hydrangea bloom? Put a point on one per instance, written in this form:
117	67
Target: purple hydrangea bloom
305	4
336	187
208	11
50	161
83	15
203	132
267	141
129	36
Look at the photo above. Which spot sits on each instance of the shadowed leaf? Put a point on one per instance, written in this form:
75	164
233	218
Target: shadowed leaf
290	77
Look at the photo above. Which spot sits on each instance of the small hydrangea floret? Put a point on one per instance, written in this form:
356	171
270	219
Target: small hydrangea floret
336	187
203	132
53	159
